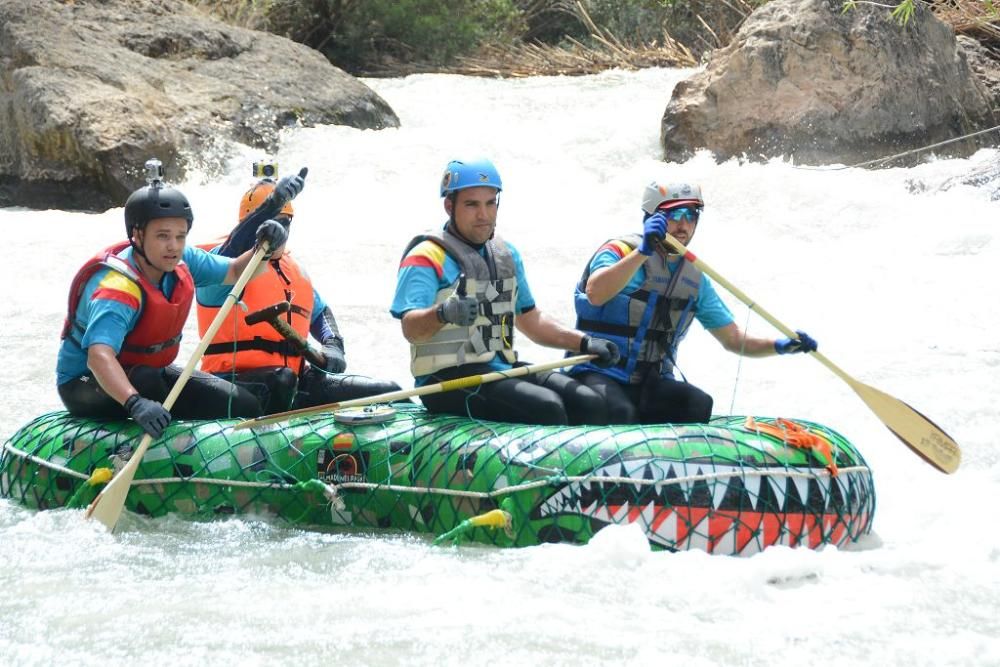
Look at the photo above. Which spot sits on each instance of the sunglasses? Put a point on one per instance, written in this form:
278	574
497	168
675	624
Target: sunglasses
688	213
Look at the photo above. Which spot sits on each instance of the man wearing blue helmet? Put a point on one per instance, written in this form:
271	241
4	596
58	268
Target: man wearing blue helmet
462	291
644	298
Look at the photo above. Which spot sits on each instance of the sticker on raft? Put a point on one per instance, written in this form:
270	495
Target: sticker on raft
370	414
335	467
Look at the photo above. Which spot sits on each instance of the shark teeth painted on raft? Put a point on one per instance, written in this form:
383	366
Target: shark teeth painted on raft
608	496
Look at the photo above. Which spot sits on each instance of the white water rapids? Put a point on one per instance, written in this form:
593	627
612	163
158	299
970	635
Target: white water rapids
898	287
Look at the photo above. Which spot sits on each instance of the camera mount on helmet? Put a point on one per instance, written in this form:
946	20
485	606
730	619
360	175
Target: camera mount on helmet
154	173
154	201
265	169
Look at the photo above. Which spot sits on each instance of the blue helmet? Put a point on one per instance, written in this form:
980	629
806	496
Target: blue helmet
459	175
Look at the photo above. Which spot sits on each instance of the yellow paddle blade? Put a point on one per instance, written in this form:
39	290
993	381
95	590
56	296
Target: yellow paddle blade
916	431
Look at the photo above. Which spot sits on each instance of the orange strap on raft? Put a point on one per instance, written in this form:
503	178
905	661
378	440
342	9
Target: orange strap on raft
796	435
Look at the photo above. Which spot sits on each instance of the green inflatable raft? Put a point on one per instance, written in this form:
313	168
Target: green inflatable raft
734	486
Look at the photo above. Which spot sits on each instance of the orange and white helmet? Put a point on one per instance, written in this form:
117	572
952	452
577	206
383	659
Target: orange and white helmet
255	196
665	196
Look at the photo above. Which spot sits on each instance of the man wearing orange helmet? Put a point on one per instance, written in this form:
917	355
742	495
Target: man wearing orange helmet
254	354
640	295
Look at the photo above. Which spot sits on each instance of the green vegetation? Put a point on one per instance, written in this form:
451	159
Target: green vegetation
519	37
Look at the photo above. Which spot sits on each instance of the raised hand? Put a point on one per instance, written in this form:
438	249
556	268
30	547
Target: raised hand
654	230
274	233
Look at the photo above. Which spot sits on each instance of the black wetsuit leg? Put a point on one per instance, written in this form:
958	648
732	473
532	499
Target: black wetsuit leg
317	387
514	400
583	404
274	387
85	397
621	401
665	399
203	397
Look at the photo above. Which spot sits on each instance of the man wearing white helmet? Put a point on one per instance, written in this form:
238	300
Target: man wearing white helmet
460	293
641	296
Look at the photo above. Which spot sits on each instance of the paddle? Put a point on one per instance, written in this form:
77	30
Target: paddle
447	385
272	315
109	503
916	431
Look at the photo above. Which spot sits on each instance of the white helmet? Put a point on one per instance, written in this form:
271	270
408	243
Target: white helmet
670	195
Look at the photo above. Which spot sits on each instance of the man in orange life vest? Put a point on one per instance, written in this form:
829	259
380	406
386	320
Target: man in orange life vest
259	358
127	308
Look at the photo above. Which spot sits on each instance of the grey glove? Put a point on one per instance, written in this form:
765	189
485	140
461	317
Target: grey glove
289	186
606	351
150	415
274	233
459	310
333	352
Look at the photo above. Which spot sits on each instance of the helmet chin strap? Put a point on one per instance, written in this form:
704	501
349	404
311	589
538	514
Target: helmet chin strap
137	249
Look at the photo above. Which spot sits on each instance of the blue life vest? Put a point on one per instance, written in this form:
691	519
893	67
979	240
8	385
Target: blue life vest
648	324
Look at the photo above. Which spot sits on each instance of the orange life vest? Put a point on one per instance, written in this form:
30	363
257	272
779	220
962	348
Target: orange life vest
238	346
155	339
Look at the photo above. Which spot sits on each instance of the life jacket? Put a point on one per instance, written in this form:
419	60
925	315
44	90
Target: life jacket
648	324
238	346
155	339
492	280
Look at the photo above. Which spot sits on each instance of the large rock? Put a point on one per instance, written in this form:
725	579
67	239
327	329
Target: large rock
805	80
89	89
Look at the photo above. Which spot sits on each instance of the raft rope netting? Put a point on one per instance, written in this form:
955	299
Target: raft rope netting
429	509
275	478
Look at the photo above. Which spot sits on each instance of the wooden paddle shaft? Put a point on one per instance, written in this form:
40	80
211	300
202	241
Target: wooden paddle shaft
447	385
315	357
913	429
108	505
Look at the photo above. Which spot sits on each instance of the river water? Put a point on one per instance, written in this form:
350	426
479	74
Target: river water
893	277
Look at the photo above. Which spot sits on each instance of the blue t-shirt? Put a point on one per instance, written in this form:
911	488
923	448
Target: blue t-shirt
111	304
427	269
709	308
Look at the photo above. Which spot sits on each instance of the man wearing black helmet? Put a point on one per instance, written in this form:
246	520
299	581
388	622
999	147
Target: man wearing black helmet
462	291
644	298
127	308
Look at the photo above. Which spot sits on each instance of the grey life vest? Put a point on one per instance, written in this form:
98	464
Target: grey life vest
491	279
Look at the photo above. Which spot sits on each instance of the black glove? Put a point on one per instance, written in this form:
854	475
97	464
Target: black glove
606	351
804	343
333	351
150	415
288	187
459	310
274	233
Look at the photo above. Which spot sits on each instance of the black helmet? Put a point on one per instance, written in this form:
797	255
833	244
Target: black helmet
153	202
